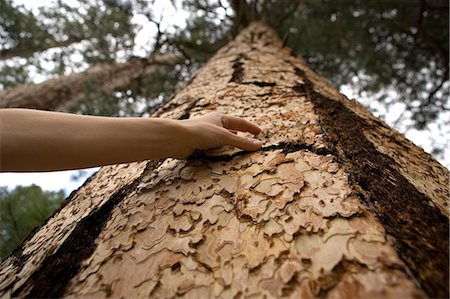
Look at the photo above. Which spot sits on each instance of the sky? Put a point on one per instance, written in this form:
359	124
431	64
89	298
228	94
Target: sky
53	180
63	179
57	180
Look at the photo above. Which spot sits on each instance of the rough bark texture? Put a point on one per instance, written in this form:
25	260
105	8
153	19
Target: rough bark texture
335	205
60	93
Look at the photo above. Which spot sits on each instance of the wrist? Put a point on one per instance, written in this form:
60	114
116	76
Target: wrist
178	138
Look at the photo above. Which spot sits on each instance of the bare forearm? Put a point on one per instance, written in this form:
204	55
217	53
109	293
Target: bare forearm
33	140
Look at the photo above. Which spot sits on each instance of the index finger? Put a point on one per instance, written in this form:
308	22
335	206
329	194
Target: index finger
239	124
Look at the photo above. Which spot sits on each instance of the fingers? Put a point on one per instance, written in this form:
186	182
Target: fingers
239	124
224	131
248	144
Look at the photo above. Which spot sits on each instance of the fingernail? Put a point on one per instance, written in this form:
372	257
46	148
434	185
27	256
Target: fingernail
257	142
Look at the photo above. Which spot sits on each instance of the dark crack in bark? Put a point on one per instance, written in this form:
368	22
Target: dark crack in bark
17	257
421	231
187	112
238	69
259	83
52	278
286	147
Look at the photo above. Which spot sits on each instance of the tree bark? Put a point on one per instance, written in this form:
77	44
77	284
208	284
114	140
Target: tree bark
336	204
60	93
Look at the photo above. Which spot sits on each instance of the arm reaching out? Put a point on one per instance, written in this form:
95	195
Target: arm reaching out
32	140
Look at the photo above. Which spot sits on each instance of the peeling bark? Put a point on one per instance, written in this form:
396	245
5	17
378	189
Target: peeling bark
324	209
61	93
419	228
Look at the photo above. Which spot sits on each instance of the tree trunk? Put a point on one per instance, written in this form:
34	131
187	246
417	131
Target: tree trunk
336	204
26	50
60	93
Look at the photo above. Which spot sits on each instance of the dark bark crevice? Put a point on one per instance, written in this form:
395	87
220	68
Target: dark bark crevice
286	147
259	83
187	112
238	69
53	276
17	257
420	230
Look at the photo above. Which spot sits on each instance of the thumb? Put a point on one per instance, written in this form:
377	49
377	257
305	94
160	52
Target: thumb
248	144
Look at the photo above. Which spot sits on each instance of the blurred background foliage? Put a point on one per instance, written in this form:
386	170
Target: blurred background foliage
388	52
393	55
21	210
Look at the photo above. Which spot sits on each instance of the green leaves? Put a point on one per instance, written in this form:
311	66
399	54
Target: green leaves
21	210
21	31
397	45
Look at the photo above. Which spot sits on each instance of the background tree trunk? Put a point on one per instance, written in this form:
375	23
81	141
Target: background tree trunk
24	50
336	204
60	93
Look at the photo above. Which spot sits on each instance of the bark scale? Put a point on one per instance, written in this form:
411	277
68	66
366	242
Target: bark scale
336	204
60	93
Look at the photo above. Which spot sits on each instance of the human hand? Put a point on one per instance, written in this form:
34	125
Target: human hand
214	130
34	140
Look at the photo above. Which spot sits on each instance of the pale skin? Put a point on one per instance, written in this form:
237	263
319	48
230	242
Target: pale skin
33	140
